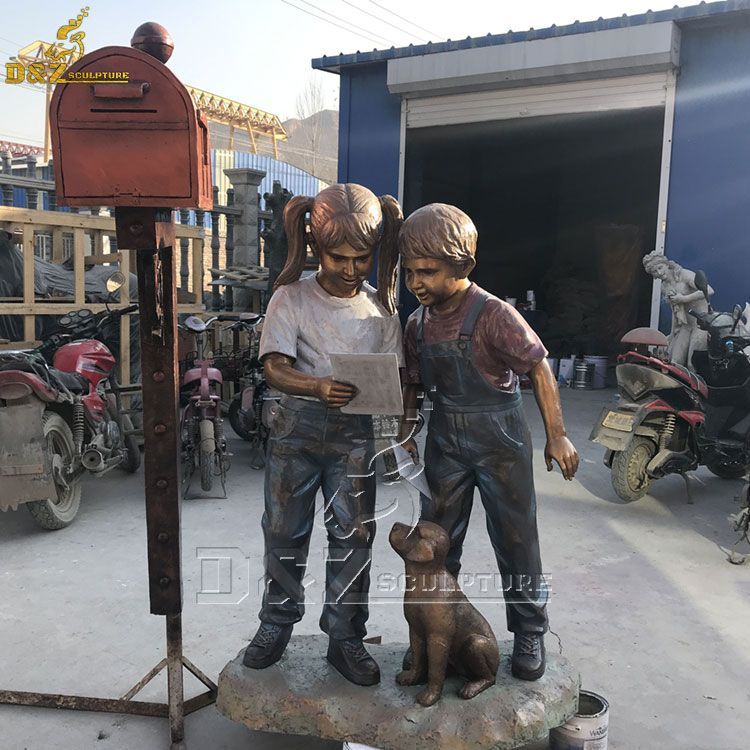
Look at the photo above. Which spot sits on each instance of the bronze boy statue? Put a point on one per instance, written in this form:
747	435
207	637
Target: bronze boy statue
467	348
313	445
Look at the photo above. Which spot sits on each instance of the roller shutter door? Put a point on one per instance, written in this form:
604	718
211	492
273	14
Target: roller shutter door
599	95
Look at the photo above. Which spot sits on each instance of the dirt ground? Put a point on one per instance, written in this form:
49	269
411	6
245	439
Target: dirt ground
643	602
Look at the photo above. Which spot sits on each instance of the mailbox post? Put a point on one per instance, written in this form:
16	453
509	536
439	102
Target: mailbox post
130	137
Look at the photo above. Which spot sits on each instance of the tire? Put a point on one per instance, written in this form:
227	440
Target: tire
206	461
629	478
57	515
207	447
132	454
235	419
728	470
132	460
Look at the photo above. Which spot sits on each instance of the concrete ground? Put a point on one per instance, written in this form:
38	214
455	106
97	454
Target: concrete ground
643	602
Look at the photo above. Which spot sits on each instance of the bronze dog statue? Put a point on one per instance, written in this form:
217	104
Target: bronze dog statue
445	630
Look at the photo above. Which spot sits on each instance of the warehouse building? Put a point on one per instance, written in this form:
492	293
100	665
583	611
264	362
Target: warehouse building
576	149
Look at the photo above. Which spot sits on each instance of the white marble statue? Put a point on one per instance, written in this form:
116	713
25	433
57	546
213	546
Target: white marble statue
678	288
743	327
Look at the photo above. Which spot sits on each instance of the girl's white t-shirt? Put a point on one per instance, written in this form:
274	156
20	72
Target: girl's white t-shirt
305	322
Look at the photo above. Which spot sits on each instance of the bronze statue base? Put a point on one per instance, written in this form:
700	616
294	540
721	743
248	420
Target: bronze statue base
302	694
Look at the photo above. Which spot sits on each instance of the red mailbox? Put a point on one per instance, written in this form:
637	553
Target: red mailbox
126	133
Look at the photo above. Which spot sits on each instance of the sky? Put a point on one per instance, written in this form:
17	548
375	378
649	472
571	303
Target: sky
259	51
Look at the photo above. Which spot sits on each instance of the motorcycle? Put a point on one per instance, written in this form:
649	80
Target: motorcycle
204	446
58	421
669	419
253	407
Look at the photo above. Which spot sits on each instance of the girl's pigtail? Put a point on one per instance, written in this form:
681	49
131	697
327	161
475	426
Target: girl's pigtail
294	226
393	218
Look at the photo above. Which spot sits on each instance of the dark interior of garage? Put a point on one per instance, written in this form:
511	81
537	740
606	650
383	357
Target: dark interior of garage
565	206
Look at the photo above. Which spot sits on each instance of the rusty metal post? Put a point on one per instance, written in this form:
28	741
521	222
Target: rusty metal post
151	232
148	230
175	695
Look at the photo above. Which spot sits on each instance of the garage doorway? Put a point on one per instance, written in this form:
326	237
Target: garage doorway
565	205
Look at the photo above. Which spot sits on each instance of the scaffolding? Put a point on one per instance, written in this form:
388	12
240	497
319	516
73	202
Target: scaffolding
225	111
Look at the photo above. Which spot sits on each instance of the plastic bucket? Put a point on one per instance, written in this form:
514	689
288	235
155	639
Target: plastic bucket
566	371
600	370
583	376
587	730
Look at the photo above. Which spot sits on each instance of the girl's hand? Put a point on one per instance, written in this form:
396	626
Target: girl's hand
410	446
333	393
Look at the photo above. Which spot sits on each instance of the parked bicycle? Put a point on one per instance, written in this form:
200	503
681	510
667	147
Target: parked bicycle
252	408
204	446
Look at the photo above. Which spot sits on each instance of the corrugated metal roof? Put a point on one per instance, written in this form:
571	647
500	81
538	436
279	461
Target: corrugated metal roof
334	63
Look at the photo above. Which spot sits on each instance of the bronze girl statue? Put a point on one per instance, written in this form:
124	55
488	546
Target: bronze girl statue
313	445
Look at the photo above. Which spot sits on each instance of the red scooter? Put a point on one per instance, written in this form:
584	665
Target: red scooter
57	422
669	419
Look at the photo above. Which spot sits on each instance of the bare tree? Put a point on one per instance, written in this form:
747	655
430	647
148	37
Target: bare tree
310	101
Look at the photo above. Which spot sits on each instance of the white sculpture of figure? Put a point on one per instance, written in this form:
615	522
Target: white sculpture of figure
743	326
678	288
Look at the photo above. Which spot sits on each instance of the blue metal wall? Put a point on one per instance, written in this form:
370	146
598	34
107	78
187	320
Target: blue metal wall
708	219
369	125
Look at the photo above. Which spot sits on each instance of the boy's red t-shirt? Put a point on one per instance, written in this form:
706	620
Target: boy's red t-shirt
504	345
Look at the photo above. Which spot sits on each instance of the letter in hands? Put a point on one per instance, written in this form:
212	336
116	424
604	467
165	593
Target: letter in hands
281	375
333	393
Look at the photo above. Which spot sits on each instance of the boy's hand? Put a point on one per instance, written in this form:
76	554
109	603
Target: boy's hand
333	393
410	446
561	450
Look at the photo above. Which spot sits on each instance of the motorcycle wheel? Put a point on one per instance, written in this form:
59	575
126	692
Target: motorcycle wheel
132	459
258	449
727	470
207	445
206	461
59	513
235	418
629	478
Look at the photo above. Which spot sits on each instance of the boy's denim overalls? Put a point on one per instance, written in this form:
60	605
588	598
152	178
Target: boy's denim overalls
478	437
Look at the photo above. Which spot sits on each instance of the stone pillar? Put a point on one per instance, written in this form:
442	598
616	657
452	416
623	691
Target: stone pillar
246	241
32	194
184	254
6	167
215	246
